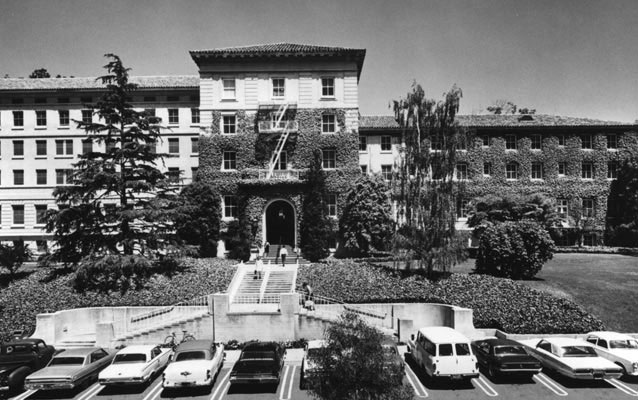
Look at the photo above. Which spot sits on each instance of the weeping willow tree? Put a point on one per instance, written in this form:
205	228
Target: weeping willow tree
427	193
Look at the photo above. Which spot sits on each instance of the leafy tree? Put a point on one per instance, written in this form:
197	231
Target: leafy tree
13	256
366	221
494	208
353	361
514	250
40	73
119	201
502	106
315	226
622	206
426	192
197	217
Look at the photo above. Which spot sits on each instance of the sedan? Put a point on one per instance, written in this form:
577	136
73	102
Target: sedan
135	365
195	363
505	357
618	348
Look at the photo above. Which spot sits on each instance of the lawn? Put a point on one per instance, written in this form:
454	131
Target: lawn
606	285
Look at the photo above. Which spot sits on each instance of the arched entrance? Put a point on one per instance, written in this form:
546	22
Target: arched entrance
280	223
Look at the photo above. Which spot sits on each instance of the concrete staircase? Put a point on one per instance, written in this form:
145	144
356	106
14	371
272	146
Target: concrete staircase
272	257
155	335
85	340
278	282
250	288
328	314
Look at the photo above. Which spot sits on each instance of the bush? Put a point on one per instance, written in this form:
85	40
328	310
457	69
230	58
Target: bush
514	250
114	272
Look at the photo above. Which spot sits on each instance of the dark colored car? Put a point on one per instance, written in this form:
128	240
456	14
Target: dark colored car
393	359
19	358
259	362
505	357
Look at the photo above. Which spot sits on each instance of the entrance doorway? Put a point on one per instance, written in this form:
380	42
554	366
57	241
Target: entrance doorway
280	223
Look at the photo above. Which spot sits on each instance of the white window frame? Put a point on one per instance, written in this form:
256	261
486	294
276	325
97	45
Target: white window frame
363	140
222	122
173	141
461	171
195	116
326	87
282	161
562	208
326	124
229	209
541	171
37	177
562	139
462	209
331	160
274	87
388	140
507	142
615	141
485	141
590	213
489	167
173	116
589	142
40	118
331	205
536	142
516	171
229	152
384	173
591	171
88	113
227	93
612	170
64	118
564	174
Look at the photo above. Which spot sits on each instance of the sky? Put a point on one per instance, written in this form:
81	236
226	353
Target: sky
574	58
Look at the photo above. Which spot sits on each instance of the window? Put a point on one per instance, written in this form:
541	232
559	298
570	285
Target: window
194	145
386	143
331	203
18	177
562	169
87	116
282	161
328	159
64	117
510	142
588	208
328	123
327	87
536	142
364	169
461	171
63	176
612	170
229	124
363	143
40	118
18	214
537	170
278	87
562	208
173	116
230	207
462	208
229	88
586	142
173	145
386	172
41	176
194	115
87	146
41	147
64	147
487	169
485	141
173	174
230	160
612	141
40	214
18	148
511	170
588	170
561	140
18	118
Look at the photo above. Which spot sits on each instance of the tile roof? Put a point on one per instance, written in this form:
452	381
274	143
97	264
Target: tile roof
277	49
373	122
150	82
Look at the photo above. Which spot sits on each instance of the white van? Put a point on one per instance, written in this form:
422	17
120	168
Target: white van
444	353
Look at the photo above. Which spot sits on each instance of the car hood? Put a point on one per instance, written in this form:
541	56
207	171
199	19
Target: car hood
62	371
193	368
588	362
122	370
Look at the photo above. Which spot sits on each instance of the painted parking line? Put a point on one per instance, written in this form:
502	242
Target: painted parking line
93	390
413	378
24	395
624	388
154	393
289	379
221	385
549	384
484	386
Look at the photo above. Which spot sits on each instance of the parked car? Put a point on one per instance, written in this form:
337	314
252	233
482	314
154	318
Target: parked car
505	357
618	348
443	352
393	360
308	366
70	369
135	365
195	363
259	362
19	358
573	358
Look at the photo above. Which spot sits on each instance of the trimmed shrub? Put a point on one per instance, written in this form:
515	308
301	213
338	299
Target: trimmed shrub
514	250
114	272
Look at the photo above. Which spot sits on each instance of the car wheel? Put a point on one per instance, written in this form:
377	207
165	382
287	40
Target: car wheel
622	367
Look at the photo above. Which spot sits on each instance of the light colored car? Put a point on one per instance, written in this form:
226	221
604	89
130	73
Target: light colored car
573	358
70	369
135	365
308	367
195	363
618	348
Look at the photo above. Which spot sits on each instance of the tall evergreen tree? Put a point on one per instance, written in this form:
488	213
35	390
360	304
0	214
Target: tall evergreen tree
118	201
427	194
315	227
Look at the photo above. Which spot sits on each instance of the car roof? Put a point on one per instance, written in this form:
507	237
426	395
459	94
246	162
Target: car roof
499	342
611	335
21	341
140	348
202	344
566	341
77	352
315	344
261	346
443	334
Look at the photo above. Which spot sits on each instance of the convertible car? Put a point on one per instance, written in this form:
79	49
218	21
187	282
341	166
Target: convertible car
505	357
70	369
135	365
195	363
572	358
259	362
618	348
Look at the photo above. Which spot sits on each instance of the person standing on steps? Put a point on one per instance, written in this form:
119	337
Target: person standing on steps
283	253
259	268
266	249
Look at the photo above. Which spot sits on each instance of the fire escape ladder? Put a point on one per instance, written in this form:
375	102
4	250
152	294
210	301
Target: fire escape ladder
281	142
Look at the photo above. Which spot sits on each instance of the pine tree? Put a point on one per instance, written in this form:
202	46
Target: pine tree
315	227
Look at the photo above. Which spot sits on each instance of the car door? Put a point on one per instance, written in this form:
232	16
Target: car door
447	362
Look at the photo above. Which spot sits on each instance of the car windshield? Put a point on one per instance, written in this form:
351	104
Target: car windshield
579	351
258	355
509	350
67	361
129	358
190	355
623	344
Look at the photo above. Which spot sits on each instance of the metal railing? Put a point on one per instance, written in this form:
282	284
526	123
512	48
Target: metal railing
174	312
333	308
273	126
